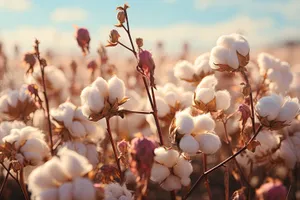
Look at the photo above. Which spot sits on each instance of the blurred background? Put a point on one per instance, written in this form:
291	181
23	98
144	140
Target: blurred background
177	24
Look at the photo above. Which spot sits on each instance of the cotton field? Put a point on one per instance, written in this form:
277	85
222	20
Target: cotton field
223	124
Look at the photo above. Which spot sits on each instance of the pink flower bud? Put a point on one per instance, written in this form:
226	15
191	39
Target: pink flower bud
146	62
123	146
29	59
142	156
83	39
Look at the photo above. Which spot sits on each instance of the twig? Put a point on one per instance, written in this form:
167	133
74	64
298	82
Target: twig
136	112
126	47
114	148
23	186
222	163
204	159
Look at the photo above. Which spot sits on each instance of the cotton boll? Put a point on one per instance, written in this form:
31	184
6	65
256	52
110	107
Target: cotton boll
75	164
114	190
187	99
7	126
204	123
184	70
116	89
268	107
56	170
64	113
183	168
188	144
222	100
209	143
159	172
241	44
184	122
166	157
50	194
185	181
65	191
205	95
218	55
78	129
289	110
91	97
208	82
268	141
162	107
38	180
83	188
287	153
102	86
171	98
171	183
12	98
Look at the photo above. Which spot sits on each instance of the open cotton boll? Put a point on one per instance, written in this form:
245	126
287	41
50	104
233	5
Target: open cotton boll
171	98
188	144
159	172
7	126
218	55
91	97
208	82
55	170
101	85
209	143
83	188
288	154
268	141
116	191
162	107
65	191
167	157
202	64
183	168
49	194
75	164
171	183
205	95
265	61
185	181
289	110
187	99
116	88
64	113
268	106
222	100
184	122
184	70
204	123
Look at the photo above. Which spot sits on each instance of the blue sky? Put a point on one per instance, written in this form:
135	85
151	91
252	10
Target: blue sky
197	21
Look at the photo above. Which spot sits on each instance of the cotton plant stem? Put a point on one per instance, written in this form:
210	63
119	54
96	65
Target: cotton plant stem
114	148
23	185
136	112
204	161
221	164
4	182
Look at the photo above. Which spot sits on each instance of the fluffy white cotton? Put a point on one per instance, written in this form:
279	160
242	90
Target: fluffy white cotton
222	100
30	143
64	113
205	95
225	53
202	64
183	168
116	191
184	70
91	97
209	143
184	122
162	107
167	157
101	85
171	98
204	123
268	141
269	106
171	183
159	172
83	188
188	144
208	82
7	126
116	88
289	110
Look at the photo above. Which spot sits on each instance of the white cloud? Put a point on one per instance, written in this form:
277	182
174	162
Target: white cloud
15	5
68	14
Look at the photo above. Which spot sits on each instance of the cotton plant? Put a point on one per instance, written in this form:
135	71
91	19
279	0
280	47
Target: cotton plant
193	73
275	111
7	126
194	134
70	121
25	146
62	178
171	169
102	99
16	104
277	73
56	82
231	53
207	99
115	191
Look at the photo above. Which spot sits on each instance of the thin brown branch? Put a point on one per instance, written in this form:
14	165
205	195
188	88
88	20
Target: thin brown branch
204	161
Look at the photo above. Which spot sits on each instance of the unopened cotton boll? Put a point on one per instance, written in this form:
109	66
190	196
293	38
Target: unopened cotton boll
209	143
184	122
171	183
205	95
269	106
204	123
184	70
116	89
222	100
159	172
188	144
289	110
167	157
162	107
